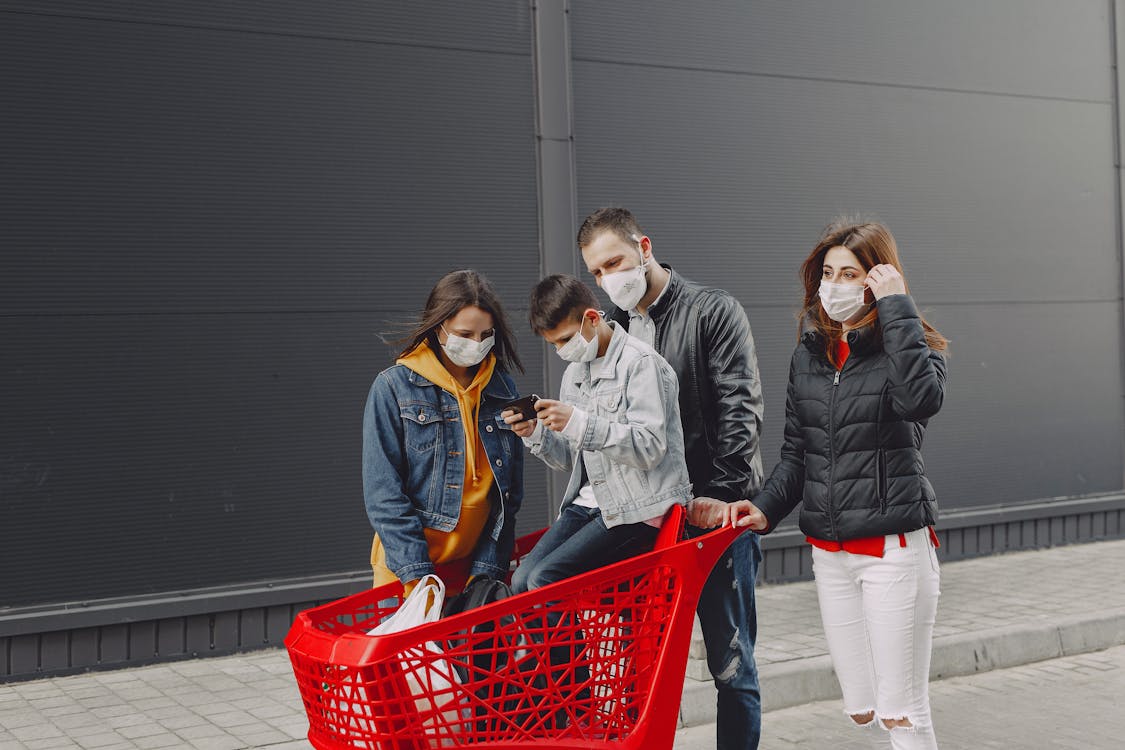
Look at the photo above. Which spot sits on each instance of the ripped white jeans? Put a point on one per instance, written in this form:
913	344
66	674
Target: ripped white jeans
878	615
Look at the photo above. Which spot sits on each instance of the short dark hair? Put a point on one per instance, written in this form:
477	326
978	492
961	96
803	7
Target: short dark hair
556	299
452	293
618	220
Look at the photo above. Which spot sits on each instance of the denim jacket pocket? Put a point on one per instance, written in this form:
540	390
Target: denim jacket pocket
421	426
610	401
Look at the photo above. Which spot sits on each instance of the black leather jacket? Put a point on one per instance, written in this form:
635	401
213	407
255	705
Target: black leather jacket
705	336
852	449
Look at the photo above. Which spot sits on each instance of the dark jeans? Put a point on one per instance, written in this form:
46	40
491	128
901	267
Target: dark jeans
730	628
576	543
579	541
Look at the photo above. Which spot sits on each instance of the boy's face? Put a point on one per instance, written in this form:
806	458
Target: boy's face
568	329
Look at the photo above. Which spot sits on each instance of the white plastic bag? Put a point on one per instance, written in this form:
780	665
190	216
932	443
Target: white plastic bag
430	680
422	606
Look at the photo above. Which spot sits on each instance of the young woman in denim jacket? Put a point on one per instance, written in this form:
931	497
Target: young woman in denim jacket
865	379
442	472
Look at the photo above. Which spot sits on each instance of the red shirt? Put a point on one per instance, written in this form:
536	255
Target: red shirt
874	546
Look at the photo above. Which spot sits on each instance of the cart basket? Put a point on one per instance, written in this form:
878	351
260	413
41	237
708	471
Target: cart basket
593	661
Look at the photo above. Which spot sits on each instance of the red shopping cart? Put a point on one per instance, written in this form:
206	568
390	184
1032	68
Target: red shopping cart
589	662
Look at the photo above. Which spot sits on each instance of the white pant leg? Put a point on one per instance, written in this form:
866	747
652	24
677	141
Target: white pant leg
845	628
878	616
900	593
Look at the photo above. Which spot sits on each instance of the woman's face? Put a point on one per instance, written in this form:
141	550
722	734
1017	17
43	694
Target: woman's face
469	322
842	267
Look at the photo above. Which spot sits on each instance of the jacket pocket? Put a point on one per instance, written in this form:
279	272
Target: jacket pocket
609	402
421	426
881	478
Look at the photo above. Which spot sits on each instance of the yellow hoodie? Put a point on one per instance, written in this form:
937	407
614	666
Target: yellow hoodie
478	489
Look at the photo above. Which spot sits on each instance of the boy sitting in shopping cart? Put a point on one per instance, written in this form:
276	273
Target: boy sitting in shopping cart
615	428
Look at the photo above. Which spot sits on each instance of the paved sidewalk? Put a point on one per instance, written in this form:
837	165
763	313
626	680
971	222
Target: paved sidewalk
995	612
1071	703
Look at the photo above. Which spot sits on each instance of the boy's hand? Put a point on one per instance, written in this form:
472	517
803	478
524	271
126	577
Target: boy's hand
522	427
553	414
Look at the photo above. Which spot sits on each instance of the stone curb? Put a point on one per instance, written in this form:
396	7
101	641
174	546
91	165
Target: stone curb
799	681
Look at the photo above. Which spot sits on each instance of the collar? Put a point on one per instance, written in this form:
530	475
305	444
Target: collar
612	357
659	298
497	386
861	341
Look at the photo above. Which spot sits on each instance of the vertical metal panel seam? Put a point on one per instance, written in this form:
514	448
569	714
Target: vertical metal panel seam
555	162
1115	34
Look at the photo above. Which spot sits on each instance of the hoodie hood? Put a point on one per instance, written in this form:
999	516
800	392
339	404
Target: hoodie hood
426	363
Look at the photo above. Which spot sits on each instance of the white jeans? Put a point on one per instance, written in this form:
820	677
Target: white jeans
878	615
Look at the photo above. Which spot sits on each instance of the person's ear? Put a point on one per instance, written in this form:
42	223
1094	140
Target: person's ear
592	315
646	246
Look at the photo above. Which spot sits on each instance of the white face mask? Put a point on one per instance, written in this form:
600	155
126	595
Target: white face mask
465	352
578	349
625	288
841	301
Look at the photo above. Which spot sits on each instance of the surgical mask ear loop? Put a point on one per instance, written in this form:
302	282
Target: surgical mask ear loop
641	250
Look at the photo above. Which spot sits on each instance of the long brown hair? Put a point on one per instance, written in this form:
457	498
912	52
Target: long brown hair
452	293
872	244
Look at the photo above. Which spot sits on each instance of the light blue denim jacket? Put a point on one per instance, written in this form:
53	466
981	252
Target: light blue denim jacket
633	444
414	466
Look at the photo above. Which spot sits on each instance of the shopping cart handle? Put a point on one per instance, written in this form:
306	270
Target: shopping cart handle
672	530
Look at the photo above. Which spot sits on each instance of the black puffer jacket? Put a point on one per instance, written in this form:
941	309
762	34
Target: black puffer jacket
705	336
852	447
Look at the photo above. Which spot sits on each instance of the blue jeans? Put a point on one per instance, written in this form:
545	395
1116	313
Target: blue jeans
578	542
730	628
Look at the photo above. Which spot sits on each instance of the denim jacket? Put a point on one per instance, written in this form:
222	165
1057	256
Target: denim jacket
633	443
414	466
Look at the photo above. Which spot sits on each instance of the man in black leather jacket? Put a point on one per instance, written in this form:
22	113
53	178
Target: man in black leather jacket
705	336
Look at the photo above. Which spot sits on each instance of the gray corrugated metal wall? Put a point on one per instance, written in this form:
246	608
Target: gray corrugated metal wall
736	130
208	213
211	211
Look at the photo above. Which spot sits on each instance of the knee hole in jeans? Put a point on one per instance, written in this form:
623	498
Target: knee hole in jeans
903	723
863	719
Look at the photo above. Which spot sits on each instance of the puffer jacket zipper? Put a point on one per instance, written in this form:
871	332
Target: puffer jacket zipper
832	451
881	479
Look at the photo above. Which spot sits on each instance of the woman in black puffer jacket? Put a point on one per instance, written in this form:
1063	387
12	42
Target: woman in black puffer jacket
865	379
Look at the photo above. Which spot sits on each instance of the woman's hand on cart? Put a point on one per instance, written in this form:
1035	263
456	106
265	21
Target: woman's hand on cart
709	513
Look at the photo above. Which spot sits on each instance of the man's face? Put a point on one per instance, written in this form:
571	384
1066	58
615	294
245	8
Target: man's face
608	253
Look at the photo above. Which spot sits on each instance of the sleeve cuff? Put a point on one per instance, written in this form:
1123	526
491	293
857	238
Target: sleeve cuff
896	307
534	440
575	426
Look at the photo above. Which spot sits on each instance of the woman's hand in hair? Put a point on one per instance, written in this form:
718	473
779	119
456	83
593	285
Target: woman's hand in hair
884	280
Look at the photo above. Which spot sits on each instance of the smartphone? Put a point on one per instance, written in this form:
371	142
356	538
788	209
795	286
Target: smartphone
525	407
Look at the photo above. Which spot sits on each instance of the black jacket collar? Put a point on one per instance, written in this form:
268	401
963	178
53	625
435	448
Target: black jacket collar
861	341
